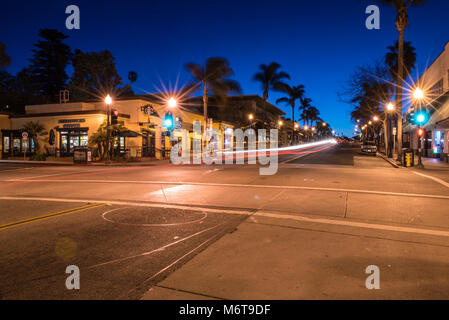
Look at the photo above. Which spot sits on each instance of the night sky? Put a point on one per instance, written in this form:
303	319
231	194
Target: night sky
319	43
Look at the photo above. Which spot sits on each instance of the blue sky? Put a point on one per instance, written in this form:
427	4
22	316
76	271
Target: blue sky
319	43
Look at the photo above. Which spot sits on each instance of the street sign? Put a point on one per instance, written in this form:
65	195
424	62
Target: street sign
24	135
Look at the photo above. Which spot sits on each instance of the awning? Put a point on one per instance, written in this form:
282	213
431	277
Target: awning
130	134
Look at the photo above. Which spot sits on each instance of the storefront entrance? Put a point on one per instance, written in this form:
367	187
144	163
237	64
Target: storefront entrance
69	139
148	145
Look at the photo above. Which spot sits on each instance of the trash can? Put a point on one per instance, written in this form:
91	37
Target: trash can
408	158
82	155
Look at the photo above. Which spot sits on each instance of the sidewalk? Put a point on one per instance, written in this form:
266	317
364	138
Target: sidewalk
71	163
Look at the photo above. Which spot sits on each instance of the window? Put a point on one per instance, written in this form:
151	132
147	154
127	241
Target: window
437	89
6	144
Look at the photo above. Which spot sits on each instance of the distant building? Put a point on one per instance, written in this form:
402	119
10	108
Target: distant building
435	84
237	110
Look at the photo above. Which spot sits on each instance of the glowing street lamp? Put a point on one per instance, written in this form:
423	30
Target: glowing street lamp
418	94
306	128
370	122
324	124
172	103
251	117
390	106
280	123
108	100
375	118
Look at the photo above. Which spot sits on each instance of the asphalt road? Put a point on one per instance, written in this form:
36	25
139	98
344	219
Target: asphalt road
166	231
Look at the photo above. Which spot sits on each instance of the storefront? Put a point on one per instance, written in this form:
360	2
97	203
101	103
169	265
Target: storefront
69	139
14	145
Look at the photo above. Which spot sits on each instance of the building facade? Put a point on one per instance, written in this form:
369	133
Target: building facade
71	125
142	133
435	84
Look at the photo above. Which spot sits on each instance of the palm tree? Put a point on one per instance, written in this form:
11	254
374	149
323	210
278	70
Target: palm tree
34	129
313	115
401	7
269	77
293	93
213	78
391	58
305	104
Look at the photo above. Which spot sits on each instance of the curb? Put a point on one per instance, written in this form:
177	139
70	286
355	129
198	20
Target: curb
53	163
393	163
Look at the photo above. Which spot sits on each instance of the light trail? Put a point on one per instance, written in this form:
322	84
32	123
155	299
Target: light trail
290	148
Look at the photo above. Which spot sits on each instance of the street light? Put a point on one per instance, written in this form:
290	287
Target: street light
251	117
375	118
172	103
280	123
108	101
418	94
390	106
324	124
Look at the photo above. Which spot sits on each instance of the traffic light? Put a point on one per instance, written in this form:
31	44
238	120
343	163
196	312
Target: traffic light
421	118
168	121
114	117
418	118
420	132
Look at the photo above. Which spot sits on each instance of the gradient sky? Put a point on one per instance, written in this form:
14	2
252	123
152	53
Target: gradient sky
319	43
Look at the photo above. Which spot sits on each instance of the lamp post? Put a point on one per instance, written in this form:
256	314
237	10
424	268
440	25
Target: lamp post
108	101
250	117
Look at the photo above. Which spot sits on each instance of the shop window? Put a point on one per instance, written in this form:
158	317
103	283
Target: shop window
16	144
6	144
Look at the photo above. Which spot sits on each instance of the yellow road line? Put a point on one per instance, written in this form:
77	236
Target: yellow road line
51	215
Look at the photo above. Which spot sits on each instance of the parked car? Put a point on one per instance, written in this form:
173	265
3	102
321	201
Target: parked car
369	147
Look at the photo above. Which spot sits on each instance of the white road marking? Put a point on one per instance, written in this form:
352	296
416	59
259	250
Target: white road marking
354	224
235	185
444	183
155	250
339	222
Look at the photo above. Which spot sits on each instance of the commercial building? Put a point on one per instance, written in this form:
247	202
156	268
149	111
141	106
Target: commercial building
142	134
434	83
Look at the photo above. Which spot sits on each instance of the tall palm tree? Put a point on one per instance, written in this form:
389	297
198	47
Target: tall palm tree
293	93
306	103
213	78
269	77
313	114
391	59
401	7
